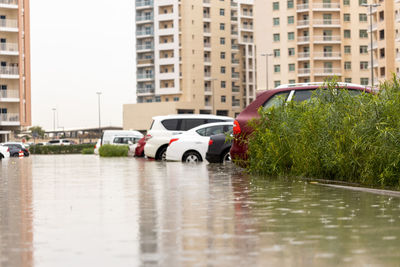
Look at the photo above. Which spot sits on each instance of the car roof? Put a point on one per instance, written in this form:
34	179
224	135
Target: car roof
191	116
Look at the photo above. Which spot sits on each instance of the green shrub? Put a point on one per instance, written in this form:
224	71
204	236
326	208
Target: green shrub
88	151
71	149
333	136
113	151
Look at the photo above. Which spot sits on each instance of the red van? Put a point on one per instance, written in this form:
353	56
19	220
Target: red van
269	98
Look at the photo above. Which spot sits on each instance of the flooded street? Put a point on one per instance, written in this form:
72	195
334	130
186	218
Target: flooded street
81	210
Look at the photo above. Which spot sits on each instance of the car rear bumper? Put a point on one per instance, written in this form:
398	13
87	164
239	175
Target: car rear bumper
213	158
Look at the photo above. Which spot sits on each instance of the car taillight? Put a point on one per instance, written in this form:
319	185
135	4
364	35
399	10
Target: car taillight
236	128
95	146
173	140
8	149
148	136
210	142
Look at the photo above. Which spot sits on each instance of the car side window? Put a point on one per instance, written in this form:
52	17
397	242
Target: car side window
201	132
302	95
276	100
213	130
188	124
170	124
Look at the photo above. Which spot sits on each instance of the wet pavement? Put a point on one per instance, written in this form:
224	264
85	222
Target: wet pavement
81	210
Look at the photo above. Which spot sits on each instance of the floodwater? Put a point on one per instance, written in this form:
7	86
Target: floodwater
81	210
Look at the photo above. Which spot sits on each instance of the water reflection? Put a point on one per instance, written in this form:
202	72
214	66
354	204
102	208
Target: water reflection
82	210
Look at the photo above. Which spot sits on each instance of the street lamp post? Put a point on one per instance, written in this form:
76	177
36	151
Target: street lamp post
54	119
266	67
370	6
98	98
213	95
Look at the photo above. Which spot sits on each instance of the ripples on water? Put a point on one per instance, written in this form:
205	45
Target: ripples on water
85	211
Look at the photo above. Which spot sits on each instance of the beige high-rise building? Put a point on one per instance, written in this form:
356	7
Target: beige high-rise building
15	76
193	56
312	40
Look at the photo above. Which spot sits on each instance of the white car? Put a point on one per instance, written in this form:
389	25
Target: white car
97	146
4	152
192	145
59	142
164	128
120	137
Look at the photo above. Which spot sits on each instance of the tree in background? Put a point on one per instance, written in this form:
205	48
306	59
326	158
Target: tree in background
37	131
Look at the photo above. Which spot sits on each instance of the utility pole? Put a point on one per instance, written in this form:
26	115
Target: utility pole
370	6
54	119
266	67
98	98
213	95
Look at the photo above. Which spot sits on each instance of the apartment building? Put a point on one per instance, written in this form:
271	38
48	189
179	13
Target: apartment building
15	77
193	56
314	40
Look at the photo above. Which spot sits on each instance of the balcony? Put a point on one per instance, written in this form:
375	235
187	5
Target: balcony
144	19
398	56
303	39
144	3
398	37
144	33
208	90
374	27
236	103
234	19
206	2
247	14
235	89
143	91
303	56
326	23
373	11
10	49
398	18
9	25
206	15
247	28
9	95
303	24
327	72
9	72
327	56
235	75
374	46
144	47
13	4
144	62
327	39
235	61
235	47
145	77
234	4
326	7
207	74
304	72
207	46
303	8
9	119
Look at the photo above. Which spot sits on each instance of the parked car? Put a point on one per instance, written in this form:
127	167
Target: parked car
118	137
4	152
219	149
266	99
139	150
164	128
15	147
59	142
192	145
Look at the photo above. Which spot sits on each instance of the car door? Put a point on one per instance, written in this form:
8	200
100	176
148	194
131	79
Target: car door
201	143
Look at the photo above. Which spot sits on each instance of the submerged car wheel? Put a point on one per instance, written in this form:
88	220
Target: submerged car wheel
192	157
226	157
162	154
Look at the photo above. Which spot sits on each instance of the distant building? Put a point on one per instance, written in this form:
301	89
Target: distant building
192	57
311	40
15	74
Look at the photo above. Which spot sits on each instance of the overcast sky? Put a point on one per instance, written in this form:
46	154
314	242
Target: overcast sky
79	47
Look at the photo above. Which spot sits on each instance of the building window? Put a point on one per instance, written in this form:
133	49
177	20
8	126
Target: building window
222	55
222	40
277	83
346	2
381	16
290	19
290	4
290	36
223	99
347	49
364	81
364	65
347	34
363	34
223	84
277	52
346	17
292	81
363	17
363	49
222	26
223	70
277	68
275	21
291	67
382	71
382	53
291	52
176	99
382	35
275	5
158	99
347	80
277	37
362	2
347	65
222	12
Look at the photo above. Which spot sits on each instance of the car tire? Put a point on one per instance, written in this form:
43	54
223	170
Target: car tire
15	155
191	157
226	157
1	156
162	154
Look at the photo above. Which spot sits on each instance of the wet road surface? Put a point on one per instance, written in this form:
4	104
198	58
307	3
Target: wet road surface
81	210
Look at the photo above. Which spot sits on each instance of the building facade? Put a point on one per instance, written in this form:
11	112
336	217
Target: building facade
312	40
15	77
192	57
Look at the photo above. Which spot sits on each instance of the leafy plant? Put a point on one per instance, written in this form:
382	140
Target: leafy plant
113	151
